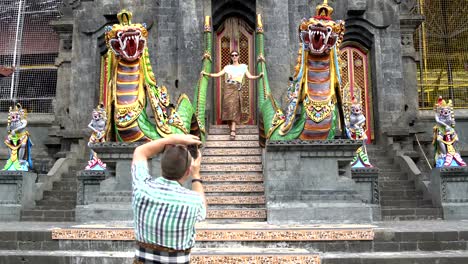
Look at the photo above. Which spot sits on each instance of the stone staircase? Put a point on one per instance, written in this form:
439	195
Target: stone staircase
58	204
399	198
232	172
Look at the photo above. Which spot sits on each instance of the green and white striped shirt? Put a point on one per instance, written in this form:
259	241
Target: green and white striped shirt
164	212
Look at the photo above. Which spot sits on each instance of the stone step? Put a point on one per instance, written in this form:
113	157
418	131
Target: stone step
65	186
226	131
397	257
232	159
232	177
55	203
396	187
411	217
227	137
113	199
399	193
410	211
229	200
48	215
238	126
233	213
231	151
400	198
232	144
405	203
60	195
231	168
397	183
233	188
198	255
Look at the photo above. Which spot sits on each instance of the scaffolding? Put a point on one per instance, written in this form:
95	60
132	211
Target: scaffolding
442	45
28	48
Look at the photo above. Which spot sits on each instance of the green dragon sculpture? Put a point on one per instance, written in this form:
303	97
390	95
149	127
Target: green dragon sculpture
313	95
131	84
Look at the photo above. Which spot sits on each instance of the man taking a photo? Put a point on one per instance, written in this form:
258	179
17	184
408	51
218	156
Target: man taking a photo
164	211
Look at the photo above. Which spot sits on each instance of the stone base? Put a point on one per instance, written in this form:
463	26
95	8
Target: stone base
311	181
106	195
449	190
17	192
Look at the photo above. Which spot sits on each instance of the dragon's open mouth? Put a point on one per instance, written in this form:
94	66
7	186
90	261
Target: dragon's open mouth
128	44
318	39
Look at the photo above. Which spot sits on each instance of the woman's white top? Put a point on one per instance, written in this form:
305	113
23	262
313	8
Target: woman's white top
236	73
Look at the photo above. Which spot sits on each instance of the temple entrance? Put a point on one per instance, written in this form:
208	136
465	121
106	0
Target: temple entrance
355	79
235	34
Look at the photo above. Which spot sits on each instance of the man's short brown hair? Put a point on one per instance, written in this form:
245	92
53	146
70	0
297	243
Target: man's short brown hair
175	161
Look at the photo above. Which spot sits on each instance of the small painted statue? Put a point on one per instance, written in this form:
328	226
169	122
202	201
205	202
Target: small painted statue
98	126
355	130
445	136
18	141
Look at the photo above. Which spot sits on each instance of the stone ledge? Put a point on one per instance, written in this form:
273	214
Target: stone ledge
338	147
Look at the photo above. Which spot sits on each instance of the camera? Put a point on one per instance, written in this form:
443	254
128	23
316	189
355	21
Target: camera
193	149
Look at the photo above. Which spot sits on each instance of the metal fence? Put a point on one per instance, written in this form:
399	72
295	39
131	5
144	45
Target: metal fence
28	46
442	43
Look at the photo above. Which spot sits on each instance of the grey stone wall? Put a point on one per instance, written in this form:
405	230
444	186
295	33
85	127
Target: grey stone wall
277	44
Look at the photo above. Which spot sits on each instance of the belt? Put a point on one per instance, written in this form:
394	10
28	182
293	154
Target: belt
232	81
161	248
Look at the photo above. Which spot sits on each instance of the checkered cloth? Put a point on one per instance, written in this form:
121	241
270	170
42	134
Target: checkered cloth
145	255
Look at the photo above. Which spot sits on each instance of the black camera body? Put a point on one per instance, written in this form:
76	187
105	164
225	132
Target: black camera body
193	149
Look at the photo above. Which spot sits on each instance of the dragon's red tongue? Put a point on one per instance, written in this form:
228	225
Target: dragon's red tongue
317	41
131	47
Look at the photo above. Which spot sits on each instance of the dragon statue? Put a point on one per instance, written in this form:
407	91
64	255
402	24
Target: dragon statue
445	136
130	84
313	95
98	126
18	142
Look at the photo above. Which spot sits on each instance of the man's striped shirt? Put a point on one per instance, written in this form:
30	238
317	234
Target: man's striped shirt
164	212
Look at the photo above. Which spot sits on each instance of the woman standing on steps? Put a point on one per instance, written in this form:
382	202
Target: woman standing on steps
232	90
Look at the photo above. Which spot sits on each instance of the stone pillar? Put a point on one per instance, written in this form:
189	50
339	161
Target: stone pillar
64	28
189	46
277	49
408	25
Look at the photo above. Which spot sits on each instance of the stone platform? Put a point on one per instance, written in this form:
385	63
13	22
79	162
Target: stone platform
248	242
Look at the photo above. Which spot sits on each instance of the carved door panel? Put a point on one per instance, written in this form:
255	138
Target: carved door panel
355	81
244	44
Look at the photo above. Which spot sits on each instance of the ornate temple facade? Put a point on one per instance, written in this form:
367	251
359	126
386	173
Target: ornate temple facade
61	64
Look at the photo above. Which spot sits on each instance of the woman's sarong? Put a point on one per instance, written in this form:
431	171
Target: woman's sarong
232	102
